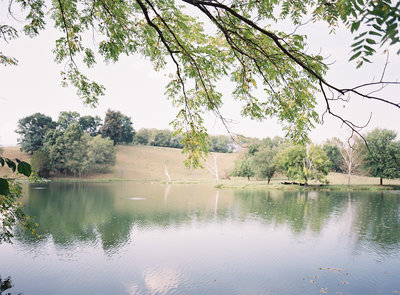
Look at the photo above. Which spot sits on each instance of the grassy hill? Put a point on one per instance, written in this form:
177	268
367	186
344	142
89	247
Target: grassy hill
148	163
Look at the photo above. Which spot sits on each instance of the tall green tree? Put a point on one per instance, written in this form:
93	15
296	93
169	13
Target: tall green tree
304	163
100	153
32	130
90	124
66	118
40	162
127	131
67	154
244	40
112	127
264	163
382	156
332	150
244	168
73	152
118	127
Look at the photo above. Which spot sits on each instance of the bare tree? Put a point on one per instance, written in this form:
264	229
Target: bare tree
167	174
213	167
351	155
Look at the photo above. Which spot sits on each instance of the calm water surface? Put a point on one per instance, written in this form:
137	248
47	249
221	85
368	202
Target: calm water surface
126	238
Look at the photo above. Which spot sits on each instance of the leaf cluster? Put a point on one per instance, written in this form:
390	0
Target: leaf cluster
238	41
21	167
10	207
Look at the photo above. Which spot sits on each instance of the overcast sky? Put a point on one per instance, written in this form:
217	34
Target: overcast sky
135	89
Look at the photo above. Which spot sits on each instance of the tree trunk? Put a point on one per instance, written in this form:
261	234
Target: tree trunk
381	181
248	178
213	168
167	174
348	176
269	179
216	168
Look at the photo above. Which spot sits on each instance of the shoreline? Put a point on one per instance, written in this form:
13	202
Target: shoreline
234	184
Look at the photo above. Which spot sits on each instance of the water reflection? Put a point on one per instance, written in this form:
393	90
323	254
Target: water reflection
377	222
157	280
127	238
302	211
77	212
161	281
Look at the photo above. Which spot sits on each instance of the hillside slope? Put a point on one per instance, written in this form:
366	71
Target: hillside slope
147	163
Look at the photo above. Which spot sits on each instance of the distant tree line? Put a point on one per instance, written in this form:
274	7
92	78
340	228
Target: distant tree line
379	157
167	138
78	145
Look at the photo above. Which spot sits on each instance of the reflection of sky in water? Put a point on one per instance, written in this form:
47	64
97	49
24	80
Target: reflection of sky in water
160	281
195	240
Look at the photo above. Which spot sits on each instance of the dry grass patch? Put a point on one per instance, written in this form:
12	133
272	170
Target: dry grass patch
148	163
339	178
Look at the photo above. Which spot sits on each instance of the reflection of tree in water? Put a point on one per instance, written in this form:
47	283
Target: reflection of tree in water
75	212
300	210
80	212
374	218
377	221
6	285
71	213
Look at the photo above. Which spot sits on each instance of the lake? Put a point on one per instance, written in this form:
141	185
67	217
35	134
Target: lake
129	238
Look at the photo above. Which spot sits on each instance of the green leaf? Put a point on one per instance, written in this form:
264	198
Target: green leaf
375	33
376	27
4	187
357	43
357	48
2	162
355	26
370	41
24	168
370	49
366	59
355	56
11	164
360	36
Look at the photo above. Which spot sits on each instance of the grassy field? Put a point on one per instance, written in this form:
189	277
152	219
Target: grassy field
147	163
150	163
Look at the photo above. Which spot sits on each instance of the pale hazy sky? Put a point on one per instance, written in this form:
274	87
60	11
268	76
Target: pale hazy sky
136	90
